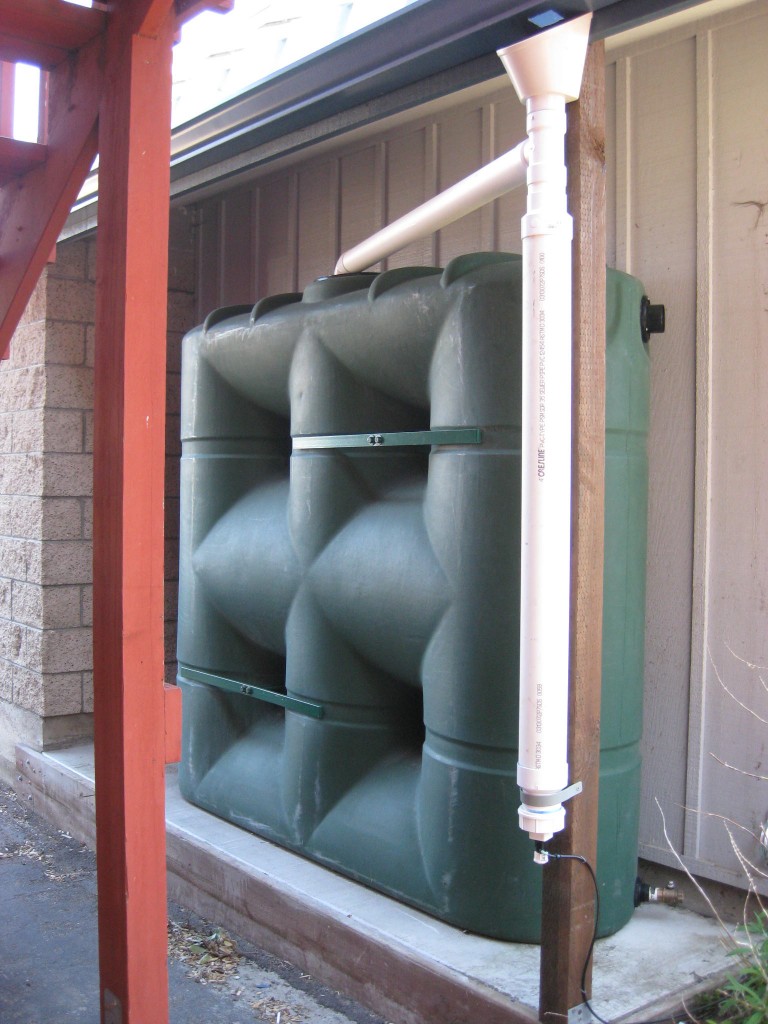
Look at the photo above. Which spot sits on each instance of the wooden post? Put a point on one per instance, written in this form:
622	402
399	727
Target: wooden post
567	912
129	462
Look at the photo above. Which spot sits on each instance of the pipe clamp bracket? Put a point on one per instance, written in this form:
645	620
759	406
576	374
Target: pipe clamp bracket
533	800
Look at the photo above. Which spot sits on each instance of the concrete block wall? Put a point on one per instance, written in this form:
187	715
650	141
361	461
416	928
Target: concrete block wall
46	467
46	487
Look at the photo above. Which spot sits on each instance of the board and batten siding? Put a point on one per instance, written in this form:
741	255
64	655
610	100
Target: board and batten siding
687	188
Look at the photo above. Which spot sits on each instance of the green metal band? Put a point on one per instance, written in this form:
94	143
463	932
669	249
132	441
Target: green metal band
283	700
392	439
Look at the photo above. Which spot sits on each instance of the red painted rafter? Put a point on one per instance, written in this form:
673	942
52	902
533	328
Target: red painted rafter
129	463
34	207
43	32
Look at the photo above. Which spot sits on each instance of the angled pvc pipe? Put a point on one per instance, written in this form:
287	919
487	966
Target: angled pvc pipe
483	186
546	71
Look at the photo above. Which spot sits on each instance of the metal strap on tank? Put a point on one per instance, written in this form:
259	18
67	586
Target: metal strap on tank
392	439
283	700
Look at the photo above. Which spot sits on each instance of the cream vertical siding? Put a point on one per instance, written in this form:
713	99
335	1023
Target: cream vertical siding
690	175
687	182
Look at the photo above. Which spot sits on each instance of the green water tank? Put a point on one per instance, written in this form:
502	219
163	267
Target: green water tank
349	584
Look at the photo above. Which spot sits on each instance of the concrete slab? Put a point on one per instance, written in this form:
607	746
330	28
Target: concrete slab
401	963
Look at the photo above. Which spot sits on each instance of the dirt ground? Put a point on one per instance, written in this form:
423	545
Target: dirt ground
49	947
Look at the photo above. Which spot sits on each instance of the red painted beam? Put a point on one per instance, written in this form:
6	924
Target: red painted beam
7	89
43	32
129	460
34	208
17	158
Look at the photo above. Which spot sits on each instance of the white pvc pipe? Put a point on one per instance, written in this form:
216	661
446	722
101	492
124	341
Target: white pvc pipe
481	187
546	71
547	231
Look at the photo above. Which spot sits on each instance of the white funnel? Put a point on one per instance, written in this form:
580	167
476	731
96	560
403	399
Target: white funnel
549	62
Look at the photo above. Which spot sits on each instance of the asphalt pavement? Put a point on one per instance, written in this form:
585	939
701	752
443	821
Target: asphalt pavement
49	947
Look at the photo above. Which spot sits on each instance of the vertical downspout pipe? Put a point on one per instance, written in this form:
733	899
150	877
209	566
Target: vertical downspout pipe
546	71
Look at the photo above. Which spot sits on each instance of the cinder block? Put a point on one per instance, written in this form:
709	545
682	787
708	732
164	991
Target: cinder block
32	551
28	689
21	474
6	432
87	685
63	431
65	343
11	637
20	515
6	514
13	558
90	344
88	431
27	603
28	344
28	430
91	259
86	606
6	679
71	260
68	650
68	475
30	655
87	506
62	693
5	598
37	304
23	388
69	387
46	607
71	300
66	562
62	518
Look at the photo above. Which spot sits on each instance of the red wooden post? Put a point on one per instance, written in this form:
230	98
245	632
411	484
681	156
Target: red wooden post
129	459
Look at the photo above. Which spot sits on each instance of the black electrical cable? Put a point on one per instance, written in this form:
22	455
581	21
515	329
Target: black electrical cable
590	951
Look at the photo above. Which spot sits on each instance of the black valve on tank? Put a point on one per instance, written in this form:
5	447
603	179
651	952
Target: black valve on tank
652	318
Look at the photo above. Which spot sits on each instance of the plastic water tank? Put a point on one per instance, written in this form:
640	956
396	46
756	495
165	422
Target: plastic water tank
349	584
